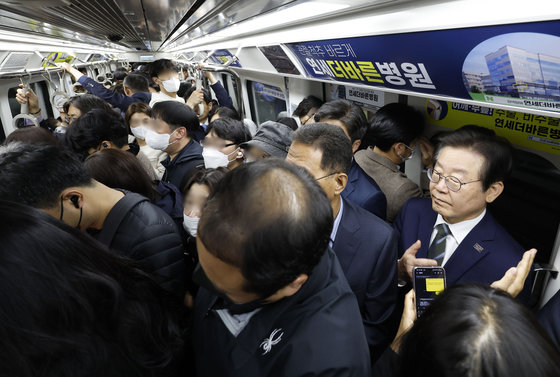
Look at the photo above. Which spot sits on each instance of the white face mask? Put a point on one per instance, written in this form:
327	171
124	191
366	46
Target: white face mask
139	132
213	158
171	85
157	141
190	224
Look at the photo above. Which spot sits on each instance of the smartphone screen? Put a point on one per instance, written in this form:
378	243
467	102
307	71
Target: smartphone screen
428	283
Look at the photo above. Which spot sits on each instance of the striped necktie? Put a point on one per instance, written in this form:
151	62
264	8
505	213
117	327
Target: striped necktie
437	248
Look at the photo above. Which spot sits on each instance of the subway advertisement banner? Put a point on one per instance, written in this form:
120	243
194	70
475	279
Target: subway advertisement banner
527	130
517	64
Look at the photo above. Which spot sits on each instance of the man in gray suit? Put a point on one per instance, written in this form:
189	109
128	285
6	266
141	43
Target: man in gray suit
393	134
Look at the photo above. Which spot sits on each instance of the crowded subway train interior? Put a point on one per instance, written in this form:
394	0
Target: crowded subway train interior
494	64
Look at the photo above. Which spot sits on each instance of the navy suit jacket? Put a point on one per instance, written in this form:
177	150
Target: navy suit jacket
484	256
549	317
362	190
122	101
366	248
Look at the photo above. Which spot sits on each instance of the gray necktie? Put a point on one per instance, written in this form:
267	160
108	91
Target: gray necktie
437	248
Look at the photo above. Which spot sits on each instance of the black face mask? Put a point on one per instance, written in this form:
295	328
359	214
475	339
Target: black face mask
199	277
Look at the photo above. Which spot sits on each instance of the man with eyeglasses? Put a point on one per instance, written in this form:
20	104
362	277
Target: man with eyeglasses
454	228
365	245
361	189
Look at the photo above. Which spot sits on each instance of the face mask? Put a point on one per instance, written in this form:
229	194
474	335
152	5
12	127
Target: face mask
190	224
157	141
139	132
213	158
199	278
171	85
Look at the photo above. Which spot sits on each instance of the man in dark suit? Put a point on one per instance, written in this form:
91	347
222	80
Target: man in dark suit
549	317
365	245
454	228
361	189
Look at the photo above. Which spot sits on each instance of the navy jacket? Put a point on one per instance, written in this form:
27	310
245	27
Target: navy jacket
484	256
549	317
143	232
362	190
119	100
221	95
316	332
366	247
179	170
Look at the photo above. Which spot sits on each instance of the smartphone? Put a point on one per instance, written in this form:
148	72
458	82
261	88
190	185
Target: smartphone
428	283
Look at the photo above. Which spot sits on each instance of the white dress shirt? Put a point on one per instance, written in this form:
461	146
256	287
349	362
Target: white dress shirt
458	233
336	223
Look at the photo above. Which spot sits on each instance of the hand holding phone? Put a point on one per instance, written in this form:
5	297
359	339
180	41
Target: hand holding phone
428	283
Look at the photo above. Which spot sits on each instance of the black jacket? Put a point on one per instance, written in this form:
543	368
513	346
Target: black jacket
316	332
143	232
179	170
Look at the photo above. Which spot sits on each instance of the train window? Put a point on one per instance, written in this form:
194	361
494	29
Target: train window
231	87
266	101
42	90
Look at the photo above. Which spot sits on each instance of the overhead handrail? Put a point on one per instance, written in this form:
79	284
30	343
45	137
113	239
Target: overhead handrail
58	96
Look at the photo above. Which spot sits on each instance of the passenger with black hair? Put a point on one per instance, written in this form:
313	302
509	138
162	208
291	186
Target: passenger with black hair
306	109
360	189
475	330
82	104
70	307
194	97
171	130
195	194
35	135
454	229
56	183
290	122
365	245
223	112
102	129
165	74
121	170
222	145
137	118
392	137
135	88
273	298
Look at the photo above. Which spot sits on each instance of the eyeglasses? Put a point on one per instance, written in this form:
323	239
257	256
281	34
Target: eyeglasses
309	117
326	176
216	145
452	183
407	147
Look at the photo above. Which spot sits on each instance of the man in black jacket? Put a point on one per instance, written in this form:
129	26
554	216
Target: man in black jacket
273	299
53	180
172	129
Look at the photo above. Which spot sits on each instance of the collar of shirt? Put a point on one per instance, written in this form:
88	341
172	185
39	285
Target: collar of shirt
336	223
458	233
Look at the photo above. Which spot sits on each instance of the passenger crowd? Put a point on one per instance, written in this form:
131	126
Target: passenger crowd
152	231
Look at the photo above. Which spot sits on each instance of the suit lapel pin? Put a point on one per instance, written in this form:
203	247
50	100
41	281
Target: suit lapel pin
478	248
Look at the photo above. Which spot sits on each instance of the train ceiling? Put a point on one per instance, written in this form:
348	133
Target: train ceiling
144	25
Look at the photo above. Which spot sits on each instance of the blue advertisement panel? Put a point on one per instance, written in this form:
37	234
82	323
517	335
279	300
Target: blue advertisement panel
516	64
223	56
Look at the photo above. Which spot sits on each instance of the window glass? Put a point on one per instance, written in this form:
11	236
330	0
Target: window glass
266	101
230	86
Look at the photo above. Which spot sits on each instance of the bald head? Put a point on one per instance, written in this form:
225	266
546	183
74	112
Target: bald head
269	219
